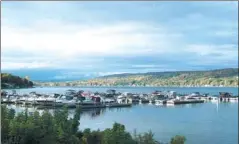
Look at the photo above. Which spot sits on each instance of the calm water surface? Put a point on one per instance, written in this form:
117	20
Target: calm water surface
206	123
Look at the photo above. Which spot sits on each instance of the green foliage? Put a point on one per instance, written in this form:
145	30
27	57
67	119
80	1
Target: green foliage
146	138
11	81
57	128
36	128
117	135
178	140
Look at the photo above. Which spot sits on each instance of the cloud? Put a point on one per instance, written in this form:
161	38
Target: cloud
63	41
86	39
20	65
227	50
226	34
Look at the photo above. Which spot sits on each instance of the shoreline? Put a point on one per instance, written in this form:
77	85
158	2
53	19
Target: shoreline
148	86
120	87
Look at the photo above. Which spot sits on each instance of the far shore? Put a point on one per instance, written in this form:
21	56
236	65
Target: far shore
122	87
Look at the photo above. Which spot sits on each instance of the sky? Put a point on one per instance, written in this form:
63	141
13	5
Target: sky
77	40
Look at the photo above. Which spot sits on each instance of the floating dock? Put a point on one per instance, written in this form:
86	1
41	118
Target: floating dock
177	102
118	105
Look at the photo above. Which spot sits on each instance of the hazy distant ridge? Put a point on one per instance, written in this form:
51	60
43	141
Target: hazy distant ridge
219	77
218	73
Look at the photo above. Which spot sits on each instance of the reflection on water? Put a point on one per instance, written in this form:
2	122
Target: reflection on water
195	105
92	113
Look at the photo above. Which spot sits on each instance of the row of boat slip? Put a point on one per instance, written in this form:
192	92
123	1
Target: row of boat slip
175	102
73	102
189	100
70	105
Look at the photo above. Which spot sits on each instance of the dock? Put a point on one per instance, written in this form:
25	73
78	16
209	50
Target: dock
118	105
177	102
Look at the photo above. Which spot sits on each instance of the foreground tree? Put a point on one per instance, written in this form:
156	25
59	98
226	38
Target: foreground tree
58	128
178	140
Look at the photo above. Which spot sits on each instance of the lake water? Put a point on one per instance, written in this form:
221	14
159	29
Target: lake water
181	90
206	123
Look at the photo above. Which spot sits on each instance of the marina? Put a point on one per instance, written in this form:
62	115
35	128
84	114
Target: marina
111	98
142	109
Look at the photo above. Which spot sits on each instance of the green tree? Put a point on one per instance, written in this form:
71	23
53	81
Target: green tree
178	140
57	128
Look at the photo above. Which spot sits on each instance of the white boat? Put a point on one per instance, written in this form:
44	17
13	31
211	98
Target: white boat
4	99
9	98
192	99
224	99
45	99
214	99
66	100
204	98
170	102
12	99
233	99
31	100
22	99
160	102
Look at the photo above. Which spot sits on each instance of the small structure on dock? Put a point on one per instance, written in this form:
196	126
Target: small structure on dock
225	96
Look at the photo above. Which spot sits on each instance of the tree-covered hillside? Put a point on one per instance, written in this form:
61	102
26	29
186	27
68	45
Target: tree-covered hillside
220	77
12	81
219	73
224	77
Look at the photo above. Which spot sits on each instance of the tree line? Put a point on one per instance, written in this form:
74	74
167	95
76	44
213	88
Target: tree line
58	128
149	81
224	77
12	81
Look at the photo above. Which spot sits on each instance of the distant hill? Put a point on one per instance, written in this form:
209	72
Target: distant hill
219	77
223	77
218	73
12	81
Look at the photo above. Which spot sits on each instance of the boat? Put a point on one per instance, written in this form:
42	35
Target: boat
21	100
185	101
205	98
214	99
143	100
151	101
160	102
234	99
171	102
9	99
31	100
45	100
69	101
87	102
